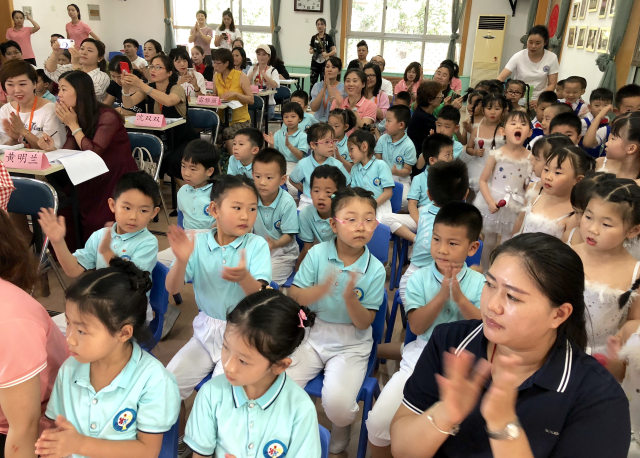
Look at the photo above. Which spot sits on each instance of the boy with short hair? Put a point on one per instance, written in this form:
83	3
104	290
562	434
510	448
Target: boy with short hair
627	99
277	219
560	89
448	123
568	124
545	99
302	98
446	182
445	291
246	144
131	51
436	148
401	98
595	125
396	148
574	88
549	113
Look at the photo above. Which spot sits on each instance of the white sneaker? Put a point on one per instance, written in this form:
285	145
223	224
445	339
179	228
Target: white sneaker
340	436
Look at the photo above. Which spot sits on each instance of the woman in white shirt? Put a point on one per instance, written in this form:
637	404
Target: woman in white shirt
27	116
535	65
263	75
191	81
89	58
227	32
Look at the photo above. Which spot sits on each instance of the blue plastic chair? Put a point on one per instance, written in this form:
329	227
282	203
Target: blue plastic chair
325	439
379	243
400	246
475	259
170	443
159	300
282	96
396	197
256	110
370	389
205	119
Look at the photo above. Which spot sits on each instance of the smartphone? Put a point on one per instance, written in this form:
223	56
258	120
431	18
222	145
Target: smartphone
66	43
124	67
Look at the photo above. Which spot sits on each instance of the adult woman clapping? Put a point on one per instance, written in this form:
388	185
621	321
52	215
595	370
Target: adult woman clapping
535	65
546	396
324	92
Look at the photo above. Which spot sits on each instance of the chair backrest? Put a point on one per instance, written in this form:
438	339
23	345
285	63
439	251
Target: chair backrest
475	259
379	243
396	197
30	196
409	336
202	118
325	438
257	108
150	143
180	221
377	331
159	300
282	95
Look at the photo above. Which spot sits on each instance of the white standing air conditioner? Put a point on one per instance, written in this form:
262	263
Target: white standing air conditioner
487	49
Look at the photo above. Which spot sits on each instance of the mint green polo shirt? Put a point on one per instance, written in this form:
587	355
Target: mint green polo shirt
281	217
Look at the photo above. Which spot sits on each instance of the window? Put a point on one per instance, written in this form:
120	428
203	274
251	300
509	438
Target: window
252	17
401	31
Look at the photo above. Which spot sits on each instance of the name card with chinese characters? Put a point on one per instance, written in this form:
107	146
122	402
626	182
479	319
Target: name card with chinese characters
150	120
212	100
255	89
32	160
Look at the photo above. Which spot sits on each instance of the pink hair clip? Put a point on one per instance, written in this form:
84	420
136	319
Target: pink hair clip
302	316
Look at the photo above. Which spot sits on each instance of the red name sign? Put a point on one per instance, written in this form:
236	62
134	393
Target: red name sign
33	160
150	120
209	85
255	89
212	100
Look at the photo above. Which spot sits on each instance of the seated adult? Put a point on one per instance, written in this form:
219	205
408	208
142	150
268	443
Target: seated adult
191	81
386	86
372	90
410	80
90	125
32	348
114	91
239	43
324	92
27	116
240	61
10	50
231	84
89	58
428	97
354	84
150	49
546	396
278	63
362	50
264	75
456	83
131	47
162	95
444	75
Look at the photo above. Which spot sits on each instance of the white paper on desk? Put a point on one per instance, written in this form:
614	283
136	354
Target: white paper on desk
54	156
11	147
233	104
83	166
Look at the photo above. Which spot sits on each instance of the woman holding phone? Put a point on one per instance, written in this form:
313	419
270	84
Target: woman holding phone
227	33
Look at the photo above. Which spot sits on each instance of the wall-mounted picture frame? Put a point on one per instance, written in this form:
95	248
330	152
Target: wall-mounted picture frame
612	7
575	10
582	37
310	6
571	37
592	37
603	10
593	5
94	12
603	40
583	8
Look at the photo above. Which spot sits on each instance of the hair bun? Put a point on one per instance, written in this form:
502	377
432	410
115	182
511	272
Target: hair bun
310	316
140	279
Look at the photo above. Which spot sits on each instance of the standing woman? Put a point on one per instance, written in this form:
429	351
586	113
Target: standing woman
324	92
364	109
201	35
77	30
99	128
321	47
535	65
546	397
278	63
372	90
227	33
22	35
89	58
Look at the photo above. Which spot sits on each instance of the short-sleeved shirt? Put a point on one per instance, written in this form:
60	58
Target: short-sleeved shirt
44	121
281	217
214	295
571	406
31	345
534	73
140	62
418	190
307	121
140	247
231	37
422	245
142	397
312	227
236	167
320	45
396	154
23	38
457	148
194	204
78	32
320	261
281	421
298	139
425	284
199	41
322	114
306	166
343	149
100	79
375	176
365	108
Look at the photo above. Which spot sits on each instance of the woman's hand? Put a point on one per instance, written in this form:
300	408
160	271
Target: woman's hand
60	441
55	47
46	143
75	56
229	95
67	115
498	405
461	384
130	80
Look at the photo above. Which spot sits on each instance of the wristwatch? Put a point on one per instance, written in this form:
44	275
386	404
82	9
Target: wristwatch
510	432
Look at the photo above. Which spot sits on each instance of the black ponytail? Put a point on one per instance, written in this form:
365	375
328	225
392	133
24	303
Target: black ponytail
624	297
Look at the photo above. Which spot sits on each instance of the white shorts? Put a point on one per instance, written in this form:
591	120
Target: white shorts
379	421
383	210
402	287
342	351
292	189
397	220
283	260
199	355
406	186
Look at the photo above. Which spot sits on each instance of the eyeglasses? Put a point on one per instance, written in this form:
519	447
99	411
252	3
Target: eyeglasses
514	92
371	76
352	223
156	67
328	142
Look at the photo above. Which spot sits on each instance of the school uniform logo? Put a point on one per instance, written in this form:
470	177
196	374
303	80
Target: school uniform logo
274	448
399	161
359	293
377	181
124	419
205	210
277	225
546	69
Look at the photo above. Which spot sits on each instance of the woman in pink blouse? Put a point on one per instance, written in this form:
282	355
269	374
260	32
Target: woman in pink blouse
354	84
411	80
372	90
22	35
76	29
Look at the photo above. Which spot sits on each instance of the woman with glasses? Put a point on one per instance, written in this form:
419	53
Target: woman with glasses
372	90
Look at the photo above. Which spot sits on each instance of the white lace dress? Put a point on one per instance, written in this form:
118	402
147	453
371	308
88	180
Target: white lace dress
630	353
509	183
475	164
534	222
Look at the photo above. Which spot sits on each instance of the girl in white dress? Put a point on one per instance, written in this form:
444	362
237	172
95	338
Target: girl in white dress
611	273
623	147
502	184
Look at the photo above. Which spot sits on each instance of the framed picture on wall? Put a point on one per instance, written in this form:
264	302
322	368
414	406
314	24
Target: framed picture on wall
612	7
592	36
583	8
603	40
582	36
602	11
571	37
314	6
575	10
593	5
